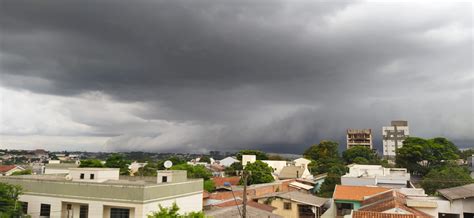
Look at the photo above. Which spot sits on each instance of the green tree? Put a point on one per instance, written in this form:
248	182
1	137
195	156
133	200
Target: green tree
323	150
419	155
10	206
174	159
172	212
206	159
323	156
148	170
22	172
209	185
363	154
260	173
197	171
233	168
118	161
258	154
333	178
91	163
445	177
466	153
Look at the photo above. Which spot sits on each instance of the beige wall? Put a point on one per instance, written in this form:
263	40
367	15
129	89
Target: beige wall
99	209
278	203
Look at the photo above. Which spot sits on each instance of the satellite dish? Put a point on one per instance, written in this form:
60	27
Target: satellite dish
168	164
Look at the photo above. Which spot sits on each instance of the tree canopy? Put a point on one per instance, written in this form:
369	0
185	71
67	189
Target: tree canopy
323	156
10	206
260	173
361	155
197	171
233	168
118	161
420	155
323	150
445	177
91	163
258	154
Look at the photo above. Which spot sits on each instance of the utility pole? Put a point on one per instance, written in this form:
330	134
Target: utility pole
245	176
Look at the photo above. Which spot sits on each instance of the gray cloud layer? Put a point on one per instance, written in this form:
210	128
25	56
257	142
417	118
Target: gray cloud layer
277	75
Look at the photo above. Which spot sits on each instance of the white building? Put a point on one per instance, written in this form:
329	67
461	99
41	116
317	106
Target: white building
362	175
393	137
248	158
276	165
99	192
301	162
61	168
457	202
226	162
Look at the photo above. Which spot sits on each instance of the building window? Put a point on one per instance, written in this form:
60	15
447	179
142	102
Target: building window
119	213
45	210
24	207
164	179
92	176
287	205
82	175
84	211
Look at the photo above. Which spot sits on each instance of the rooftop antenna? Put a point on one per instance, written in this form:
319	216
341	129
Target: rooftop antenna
168	164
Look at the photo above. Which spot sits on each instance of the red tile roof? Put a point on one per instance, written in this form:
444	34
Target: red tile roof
356	193
219	181
365	214
6	168
389	200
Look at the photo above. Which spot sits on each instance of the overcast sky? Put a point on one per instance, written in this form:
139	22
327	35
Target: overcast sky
193	76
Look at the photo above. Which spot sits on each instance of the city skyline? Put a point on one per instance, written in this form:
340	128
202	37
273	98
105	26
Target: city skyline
278	76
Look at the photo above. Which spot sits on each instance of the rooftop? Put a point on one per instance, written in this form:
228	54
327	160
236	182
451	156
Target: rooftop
291	172
6	168
460	192
233	211
356	193
297	196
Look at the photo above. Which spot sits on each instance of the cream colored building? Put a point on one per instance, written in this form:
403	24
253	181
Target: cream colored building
248	158
99	192
294	204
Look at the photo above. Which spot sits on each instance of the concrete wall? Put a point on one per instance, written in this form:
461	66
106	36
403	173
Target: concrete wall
55	171
100	175
98	209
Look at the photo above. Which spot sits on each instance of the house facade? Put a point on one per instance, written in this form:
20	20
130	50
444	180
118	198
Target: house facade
99	192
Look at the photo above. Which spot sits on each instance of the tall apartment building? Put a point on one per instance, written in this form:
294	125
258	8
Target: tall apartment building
101	192
393	137
356	137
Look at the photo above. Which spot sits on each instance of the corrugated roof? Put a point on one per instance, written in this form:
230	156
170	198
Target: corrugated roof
460	192
298	197
355	193
233	211
365	214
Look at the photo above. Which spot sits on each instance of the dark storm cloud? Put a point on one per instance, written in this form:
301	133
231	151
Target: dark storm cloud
214	74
